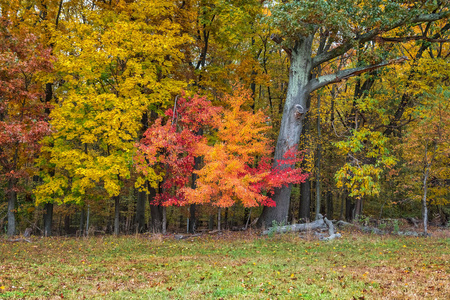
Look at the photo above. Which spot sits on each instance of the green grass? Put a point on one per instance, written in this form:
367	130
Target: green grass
229	266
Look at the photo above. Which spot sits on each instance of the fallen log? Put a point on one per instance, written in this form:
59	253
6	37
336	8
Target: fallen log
318	224
332	233
321	224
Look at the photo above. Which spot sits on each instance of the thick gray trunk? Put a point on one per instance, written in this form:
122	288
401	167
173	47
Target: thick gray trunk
291	125
12	199
48	218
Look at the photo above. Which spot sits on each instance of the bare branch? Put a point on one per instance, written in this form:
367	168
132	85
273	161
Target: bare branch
324	80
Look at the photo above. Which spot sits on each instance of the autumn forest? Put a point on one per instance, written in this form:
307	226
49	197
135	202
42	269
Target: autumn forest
129	116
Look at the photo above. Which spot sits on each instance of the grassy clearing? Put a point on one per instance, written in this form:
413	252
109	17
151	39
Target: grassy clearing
228	266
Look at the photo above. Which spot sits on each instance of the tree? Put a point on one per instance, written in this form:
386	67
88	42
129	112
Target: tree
166	154
114	66
427	141
232	170
316	32
23	120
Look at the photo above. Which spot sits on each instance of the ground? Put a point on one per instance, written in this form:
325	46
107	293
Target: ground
227	266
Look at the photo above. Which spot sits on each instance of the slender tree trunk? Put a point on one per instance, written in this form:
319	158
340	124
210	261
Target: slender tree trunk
305	200
192	219
294	111
12	199
140	210
425	187
67	224
164	220
116	215
192	215
329	209
349	209
211	222
319	157
225	225
358	208
219	214
48	219
81	229
88	219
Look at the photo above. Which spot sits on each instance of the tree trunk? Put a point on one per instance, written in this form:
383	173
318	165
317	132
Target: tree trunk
305	201
192	219
319	157
291	125
349	209
81	229
164	220
12	199
48	219
225	225
358	208
88	219
157	218
425	189
116	215
140	211
67	224
211	222
192	216
329	209
219	214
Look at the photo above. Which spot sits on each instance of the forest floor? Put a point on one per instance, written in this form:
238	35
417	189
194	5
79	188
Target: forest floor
227	266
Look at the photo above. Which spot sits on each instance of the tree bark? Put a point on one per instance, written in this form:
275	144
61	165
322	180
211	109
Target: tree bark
164	220
157	218
12	199
140	211
116	215
192	215
329	208
305	201
319	157
291	125
81	229
48	219
219	214
192	219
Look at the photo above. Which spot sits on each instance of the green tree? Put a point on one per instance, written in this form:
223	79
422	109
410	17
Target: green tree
316	32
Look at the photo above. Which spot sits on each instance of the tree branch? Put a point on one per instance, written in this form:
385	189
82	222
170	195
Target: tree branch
370	35
412	38
324	80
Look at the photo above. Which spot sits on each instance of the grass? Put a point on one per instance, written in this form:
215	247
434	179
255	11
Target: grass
228	266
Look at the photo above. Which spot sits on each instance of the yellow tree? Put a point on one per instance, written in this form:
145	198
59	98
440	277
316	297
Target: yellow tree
427	142
115	64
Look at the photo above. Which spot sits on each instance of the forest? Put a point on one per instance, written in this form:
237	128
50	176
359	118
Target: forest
131	116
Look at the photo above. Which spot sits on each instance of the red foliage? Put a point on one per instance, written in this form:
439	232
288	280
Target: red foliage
166	153
22	111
